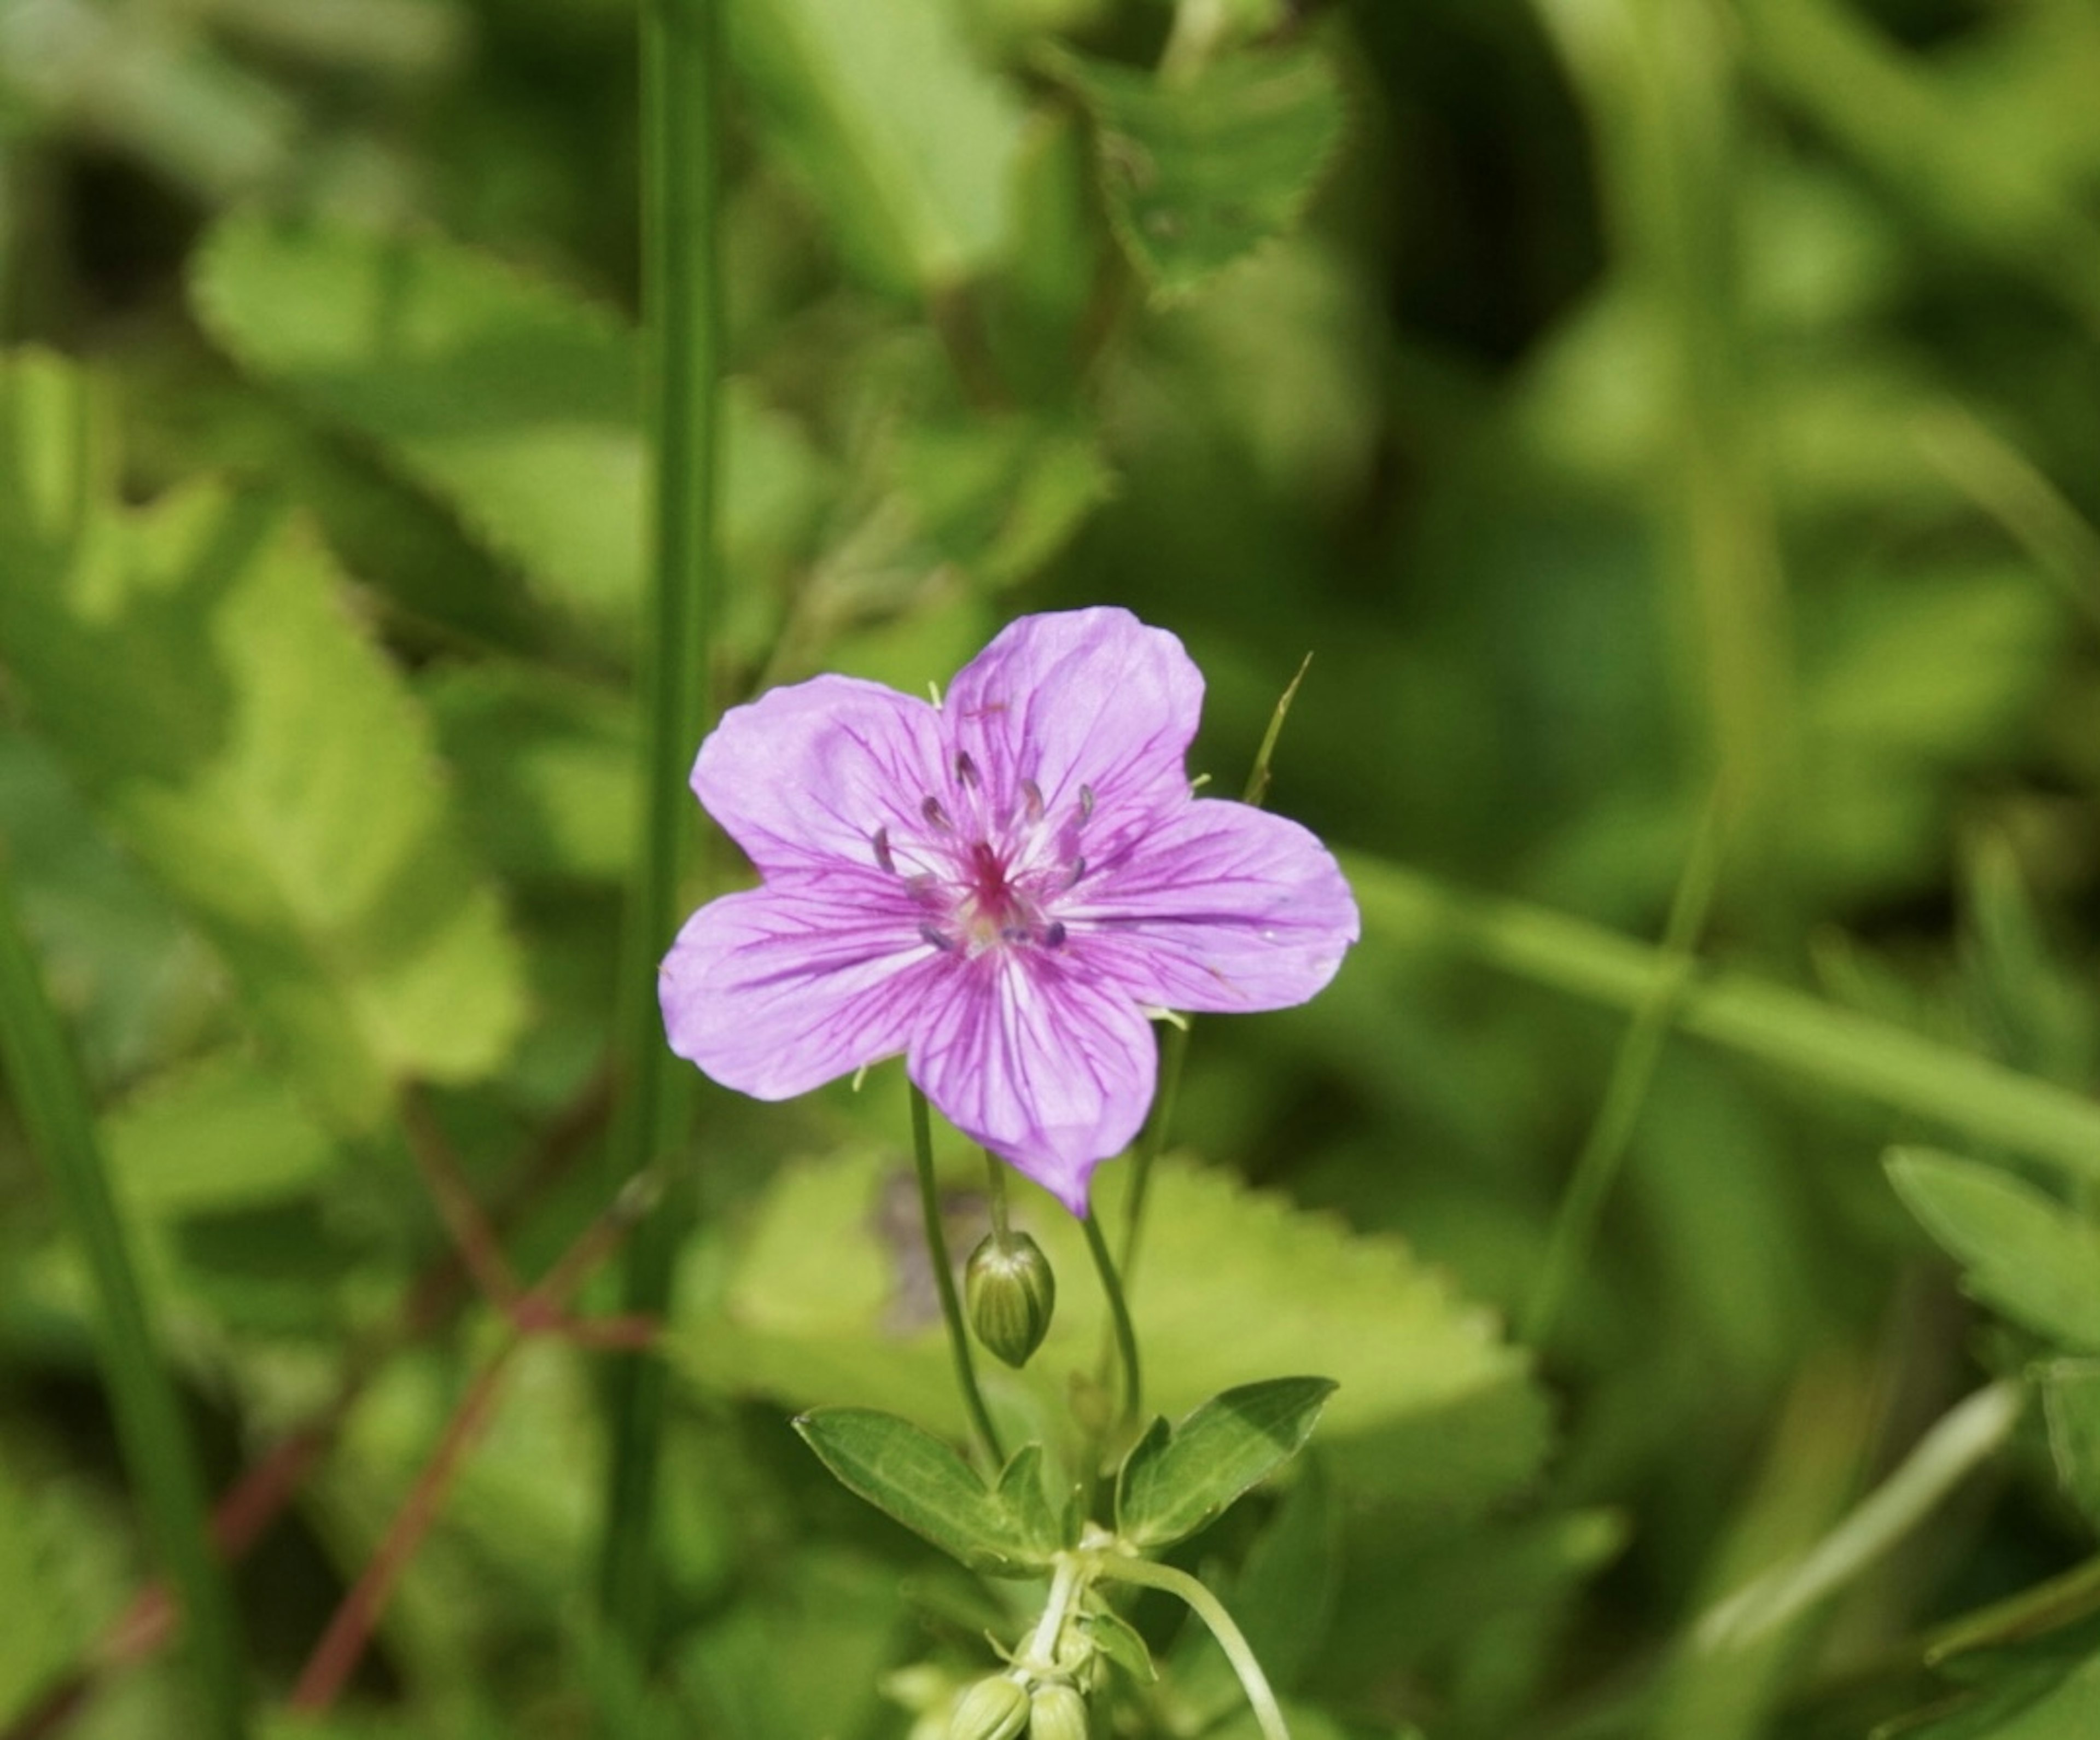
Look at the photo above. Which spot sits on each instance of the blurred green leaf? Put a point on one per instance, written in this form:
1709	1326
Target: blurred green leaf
515	401
910	146
1199	175
905	1470
1177	1478
2071	1396
215	1136
2022	1700
2019	1250
195	663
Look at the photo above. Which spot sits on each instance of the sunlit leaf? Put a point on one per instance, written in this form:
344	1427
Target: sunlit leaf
198	667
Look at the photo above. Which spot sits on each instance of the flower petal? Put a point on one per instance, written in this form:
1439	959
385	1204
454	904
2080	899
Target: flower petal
1218	907
804	776
1079	697
776	990
1051	1070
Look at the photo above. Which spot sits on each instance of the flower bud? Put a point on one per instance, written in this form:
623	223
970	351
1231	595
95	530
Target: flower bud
1057	1712
1011	1292
994	1709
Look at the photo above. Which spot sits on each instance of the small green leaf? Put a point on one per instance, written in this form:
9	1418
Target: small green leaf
1118	1641
1176	1479
1198	175
2071	1398
905	1470
2019	1250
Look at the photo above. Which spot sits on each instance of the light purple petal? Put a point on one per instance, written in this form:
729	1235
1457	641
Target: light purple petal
1080	697
1220	907
804	776
1051	1070
779	989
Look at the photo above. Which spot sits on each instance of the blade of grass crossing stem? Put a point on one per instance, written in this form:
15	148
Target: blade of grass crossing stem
1633	1070
158	1455
1801	1035
680	62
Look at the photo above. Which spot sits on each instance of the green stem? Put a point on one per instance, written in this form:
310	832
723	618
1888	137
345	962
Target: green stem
995	1197
1117	1566
1174	1053
944	1278
683	298
155	1440
1632	1070
1126	1334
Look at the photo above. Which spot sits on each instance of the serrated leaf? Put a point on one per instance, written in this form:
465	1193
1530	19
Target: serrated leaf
2019	1250
1176	1480
1198	175
1117	1639
917	191
516	403
904	1470
1435	1415
196	666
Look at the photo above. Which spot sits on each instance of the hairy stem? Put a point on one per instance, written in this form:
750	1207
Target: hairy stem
1126	1333
1268	1713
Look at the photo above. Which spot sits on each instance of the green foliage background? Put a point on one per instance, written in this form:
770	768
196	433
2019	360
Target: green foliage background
1673	426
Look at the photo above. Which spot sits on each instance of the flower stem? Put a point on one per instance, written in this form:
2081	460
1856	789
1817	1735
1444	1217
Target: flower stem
1126	1334
159	1453
995	1197
1174	1053
1268	1713
944	1278
682	298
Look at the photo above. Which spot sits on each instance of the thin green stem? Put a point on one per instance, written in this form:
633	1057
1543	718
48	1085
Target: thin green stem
944	1278
1126	1334
155	1440
995	1197
682	302
1633	1071
1173	1055
1121	1567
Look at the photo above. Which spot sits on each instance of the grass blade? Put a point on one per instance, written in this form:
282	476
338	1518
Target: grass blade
158	1452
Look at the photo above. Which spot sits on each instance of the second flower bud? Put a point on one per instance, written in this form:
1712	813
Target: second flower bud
1011	1292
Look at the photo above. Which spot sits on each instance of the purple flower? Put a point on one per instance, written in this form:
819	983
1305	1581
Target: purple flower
1002	887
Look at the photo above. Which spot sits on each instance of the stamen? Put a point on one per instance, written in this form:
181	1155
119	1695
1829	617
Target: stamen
928	933
882	852
1053	933
1031	800
1086	802
1078	870
936	816
966	770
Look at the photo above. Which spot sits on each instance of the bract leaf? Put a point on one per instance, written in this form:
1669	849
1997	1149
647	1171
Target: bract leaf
1198	175
2019	1250
195	665
1117	1639
905	1470
1176	1480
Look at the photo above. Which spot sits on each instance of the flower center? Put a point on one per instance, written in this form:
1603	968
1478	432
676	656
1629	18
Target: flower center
995	890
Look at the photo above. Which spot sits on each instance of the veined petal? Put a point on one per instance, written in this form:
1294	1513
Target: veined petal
1222	906
776	990
1079	697
804	776
1049	1069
